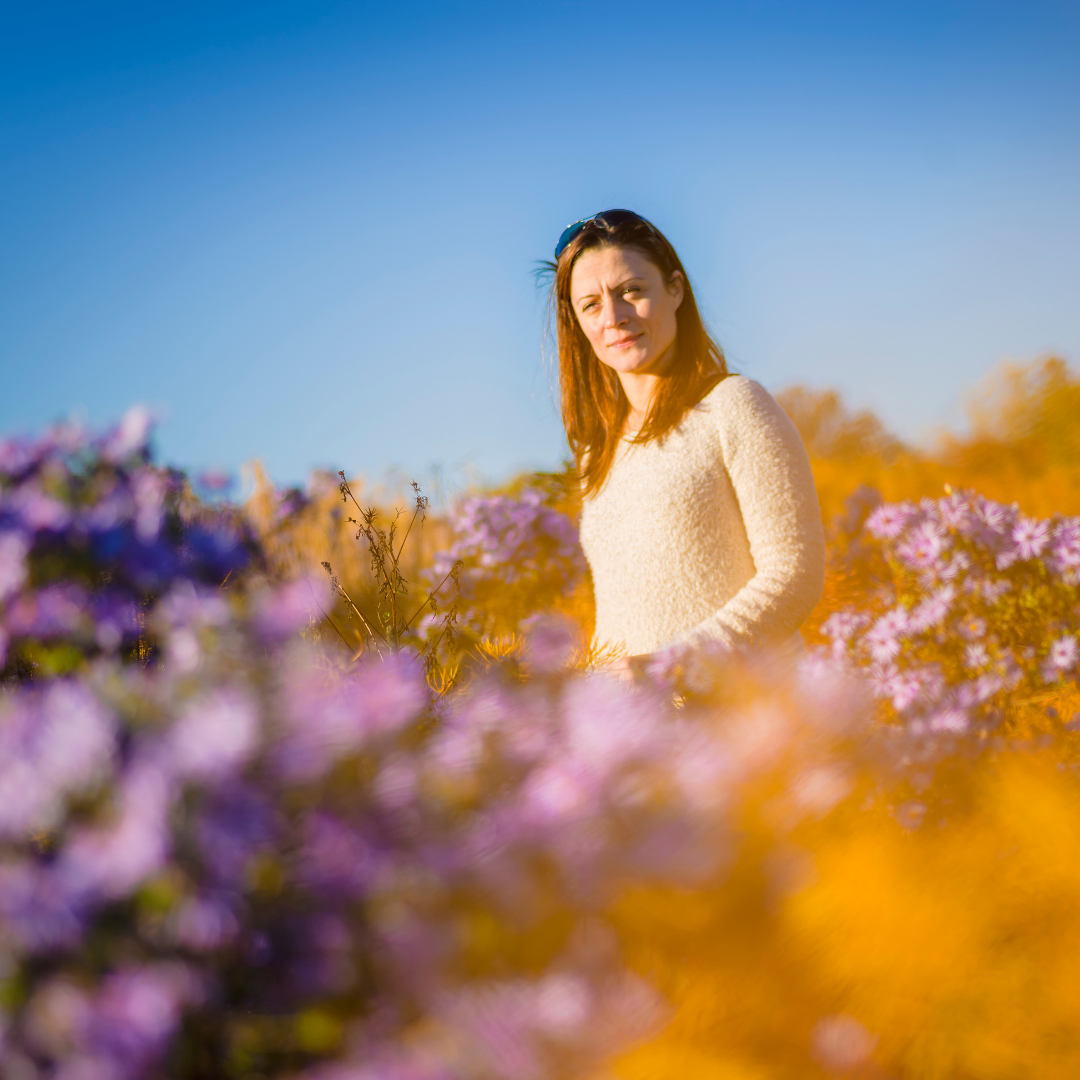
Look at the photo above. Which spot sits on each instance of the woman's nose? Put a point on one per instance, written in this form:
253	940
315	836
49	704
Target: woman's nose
613	313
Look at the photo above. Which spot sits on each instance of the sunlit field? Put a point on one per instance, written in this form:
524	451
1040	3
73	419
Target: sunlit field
329	783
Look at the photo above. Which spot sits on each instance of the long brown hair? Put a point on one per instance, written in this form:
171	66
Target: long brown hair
594	405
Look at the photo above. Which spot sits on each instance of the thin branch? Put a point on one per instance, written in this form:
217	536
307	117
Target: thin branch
344	639
349	600
430	595
422	503
448	620
407	531
326	614
345	490
360	615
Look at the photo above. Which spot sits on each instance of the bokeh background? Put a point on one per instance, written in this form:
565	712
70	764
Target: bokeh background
306	232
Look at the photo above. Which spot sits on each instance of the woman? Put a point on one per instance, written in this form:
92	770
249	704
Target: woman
700	520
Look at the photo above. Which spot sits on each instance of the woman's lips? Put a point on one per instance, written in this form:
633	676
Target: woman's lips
625	343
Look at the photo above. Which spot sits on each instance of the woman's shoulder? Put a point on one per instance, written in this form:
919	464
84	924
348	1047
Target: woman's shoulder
736	397
743	414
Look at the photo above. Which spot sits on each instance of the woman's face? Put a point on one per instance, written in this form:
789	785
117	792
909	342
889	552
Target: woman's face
625	308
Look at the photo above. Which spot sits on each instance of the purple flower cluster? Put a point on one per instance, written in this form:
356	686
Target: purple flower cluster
254	828
985	611
518	553
90	530
253	856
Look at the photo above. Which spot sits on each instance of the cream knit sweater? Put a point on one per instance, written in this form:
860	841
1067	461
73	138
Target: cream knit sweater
712	535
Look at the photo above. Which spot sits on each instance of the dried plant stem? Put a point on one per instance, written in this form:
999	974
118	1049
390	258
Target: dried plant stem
385	554
451	573
404	538
339	589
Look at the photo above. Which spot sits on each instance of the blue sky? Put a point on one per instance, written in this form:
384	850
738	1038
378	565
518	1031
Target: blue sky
305	232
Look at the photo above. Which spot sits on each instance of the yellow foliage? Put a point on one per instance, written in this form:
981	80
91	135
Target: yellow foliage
1023	445
954	944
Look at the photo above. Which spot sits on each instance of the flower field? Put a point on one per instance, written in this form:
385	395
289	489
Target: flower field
301	788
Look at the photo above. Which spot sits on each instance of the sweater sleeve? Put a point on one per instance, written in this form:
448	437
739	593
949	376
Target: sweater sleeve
774	487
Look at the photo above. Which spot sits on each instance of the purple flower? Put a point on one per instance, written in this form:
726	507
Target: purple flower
397	785
843	625
889	521
904	688
549	643
923	685
17	456
215	481
328	716
323	720
130	437
393	692
560	794
236	823
134	1014
1031	537
949	721
212	550
113	859
53	744
191	606
1064	653
512	541
282	612
883	638
335	857
1067	531
953	567
203	923
110	511
288	502
512	1021
52	611
880	677
995	520
923	546
214	738
457	750
56	1017
1064	558
14	547
993	589
968	695
1008	554
933	610
36	511
608	725
955	512
148	488
116	619
35	909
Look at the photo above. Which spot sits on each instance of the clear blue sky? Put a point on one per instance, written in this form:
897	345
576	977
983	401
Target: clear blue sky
305	232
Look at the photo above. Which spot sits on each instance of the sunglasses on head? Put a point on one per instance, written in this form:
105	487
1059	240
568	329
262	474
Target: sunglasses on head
607	217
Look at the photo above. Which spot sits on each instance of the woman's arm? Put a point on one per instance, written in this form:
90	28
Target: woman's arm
774	487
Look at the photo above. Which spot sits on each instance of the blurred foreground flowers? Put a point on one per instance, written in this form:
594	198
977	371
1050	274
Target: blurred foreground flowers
230	846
